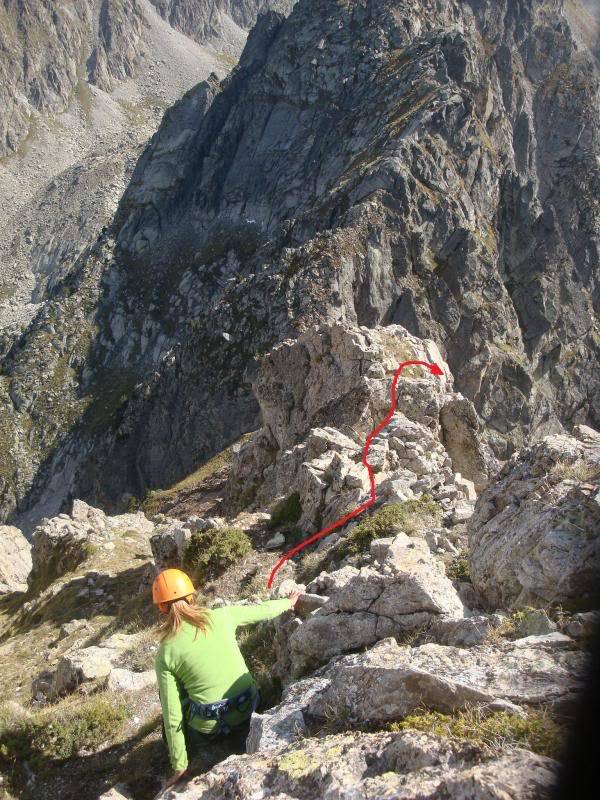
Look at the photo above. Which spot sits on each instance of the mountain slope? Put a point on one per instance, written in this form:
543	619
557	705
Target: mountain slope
221	20
422	164
83	85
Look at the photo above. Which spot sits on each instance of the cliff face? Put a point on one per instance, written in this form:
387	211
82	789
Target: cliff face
427	164
442	158
50	47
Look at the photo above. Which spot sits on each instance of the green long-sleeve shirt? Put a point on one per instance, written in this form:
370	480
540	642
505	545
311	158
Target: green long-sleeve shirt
210	667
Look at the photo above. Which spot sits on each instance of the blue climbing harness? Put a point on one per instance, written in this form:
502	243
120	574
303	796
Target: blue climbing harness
220	708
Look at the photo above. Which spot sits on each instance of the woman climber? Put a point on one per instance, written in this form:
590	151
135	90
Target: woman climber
205	687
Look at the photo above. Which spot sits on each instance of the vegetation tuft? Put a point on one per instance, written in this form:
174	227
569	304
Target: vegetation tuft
536	732
209	553
257	646
409	516
459	569
577	470
60	731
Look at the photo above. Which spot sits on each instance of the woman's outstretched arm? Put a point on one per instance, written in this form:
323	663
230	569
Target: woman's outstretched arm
245	615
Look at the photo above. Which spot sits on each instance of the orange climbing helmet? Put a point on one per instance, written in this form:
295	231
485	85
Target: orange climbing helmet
169	585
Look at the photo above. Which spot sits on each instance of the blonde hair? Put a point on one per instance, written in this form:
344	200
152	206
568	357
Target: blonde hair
183	611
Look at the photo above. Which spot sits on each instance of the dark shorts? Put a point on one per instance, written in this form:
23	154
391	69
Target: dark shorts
195	740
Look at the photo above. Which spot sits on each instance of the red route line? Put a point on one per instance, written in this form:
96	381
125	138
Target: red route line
435	370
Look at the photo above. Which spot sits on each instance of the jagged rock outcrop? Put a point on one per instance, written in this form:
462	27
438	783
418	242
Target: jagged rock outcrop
535	534
61	543
427	165
15	560
410	765
319	397
390	681
408	590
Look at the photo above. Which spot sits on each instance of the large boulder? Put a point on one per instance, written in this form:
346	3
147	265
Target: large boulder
535	534
15	560
94	666
405	590
407	765
90	665
286	722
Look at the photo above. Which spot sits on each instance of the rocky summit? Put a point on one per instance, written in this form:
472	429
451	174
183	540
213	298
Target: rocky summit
226	225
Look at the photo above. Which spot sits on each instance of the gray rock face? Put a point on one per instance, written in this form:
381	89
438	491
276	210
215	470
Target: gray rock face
409	765
535	534
15	560
380	175
408	590
286	722
391	681
348	171
43	43
120	28
40	43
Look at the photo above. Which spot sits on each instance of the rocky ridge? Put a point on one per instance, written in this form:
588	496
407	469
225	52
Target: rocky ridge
454	162
387	627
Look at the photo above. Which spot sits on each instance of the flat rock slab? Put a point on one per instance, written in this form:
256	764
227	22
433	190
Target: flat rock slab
390	681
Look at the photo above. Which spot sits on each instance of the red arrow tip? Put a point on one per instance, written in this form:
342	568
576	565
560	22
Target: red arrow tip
435	370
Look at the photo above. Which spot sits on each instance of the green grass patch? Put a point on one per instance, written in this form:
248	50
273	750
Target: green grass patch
410	516
209	553
536	732
459	569
60	731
